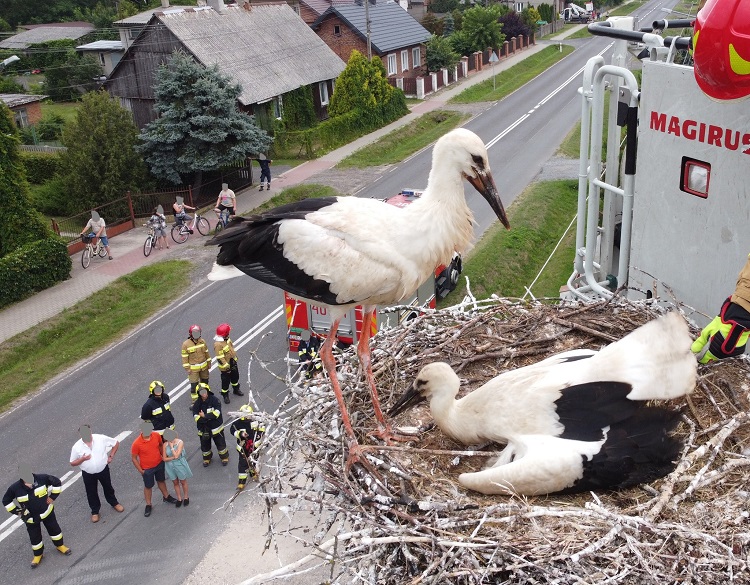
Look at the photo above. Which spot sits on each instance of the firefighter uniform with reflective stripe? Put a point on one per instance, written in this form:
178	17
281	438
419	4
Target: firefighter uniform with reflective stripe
210	426
248	434
34	506
226	359
196	361
158	410
308	354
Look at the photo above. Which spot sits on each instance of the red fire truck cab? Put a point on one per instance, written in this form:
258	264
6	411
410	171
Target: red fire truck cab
302	315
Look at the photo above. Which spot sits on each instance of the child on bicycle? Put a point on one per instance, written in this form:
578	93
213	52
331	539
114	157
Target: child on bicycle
159	223
179	207
99	230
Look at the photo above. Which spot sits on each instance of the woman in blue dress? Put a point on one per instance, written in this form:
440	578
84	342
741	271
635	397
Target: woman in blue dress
176	465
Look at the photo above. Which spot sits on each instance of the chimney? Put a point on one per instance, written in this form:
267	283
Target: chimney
218	6
165	3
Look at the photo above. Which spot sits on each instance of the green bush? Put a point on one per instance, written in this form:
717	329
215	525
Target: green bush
40	166
337	131
31	268
51	198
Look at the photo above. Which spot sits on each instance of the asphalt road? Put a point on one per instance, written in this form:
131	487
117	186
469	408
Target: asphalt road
108	390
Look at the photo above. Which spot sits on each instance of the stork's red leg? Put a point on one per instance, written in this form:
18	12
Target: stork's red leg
329	363
365	359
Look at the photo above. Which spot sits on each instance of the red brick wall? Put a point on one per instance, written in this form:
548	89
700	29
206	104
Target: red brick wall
33	112
344	43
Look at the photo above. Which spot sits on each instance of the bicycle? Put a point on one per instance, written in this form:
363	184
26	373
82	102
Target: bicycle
181	231
223	219
150	239
90	250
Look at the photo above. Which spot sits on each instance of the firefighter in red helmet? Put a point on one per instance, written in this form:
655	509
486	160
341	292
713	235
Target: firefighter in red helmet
226	359
195	359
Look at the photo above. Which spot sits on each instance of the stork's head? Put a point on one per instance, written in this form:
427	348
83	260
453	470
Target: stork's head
467	151
435	380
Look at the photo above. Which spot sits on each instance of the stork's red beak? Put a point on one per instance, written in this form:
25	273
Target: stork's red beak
485	184
411	397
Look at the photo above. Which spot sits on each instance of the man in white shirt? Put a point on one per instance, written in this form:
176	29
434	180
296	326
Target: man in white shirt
98	227
93	454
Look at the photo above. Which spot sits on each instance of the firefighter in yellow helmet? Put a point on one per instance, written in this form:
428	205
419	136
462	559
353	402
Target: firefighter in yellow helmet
226	359
208	419
195	359
248	434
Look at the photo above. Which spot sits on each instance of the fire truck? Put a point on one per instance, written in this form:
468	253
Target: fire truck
302	315
668	215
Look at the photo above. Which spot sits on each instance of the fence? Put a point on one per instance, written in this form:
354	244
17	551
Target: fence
130	211
41	148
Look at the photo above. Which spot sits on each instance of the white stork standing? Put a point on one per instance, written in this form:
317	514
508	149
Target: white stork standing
572	421
346	251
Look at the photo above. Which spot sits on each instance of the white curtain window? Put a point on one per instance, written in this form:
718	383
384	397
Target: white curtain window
404	60
416	57
392	64
323	89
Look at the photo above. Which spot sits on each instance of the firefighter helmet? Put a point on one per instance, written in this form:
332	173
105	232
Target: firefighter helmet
154	386
195	331
223	330
246	409
721	49
203	388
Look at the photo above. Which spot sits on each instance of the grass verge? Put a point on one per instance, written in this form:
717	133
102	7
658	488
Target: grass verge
297	193
505	262
61	341
626	9
402	143
511	79
66	110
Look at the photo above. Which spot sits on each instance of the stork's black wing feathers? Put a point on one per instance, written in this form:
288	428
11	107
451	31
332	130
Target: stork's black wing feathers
638	450
251	245
585	409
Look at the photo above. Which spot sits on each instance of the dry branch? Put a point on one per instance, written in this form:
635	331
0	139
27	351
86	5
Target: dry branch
413	523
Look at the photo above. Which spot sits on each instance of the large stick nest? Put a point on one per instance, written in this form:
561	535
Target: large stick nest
411	522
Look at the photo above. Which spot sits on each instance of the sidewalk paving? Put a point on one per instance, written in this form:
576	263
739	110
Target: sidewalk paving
127	248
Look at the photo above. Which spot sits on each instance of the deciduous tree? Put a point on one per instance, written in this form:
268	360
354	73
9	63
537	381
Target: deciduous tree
101	163
21	223
439	53
199	127
481	25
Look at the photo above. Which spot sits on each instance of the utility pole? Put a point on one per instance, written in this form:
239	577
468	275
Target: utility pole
367	29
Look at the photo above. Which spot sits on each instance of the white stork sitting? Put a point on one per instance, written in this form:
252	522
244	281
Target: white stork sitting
575	421
348	251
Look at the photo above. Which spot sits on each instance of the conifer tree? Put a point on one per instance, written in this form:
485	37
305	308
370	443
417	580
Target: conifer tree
199	127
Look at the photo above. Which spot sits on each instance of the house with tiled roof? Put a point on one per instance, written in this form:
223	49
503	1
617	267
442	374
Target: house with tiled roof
43	33
27	109
394	35
265	47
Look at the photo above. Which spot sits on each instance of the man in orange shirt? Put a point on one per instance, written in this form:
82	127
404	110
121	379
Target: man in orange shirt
146	455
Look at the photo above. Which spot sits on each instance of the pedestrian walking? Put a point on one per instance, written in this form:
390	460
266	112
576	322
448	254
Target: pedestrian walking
93	454
265	171
208	419
147	459
31	499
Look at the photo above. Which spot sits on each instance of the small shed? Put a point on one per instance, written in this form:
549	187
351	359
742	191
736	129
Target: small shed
27	109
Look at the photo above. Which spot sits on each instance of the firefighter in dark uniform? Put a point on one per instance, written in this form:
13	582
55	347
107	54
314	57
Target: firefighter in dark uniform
308	350
31	499
226	359
157	409
195	359
207	415
248	434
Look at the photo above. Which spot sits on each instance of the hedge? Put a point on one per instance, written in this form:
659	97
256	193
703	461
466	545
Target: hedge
33	267
336	131
40	166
